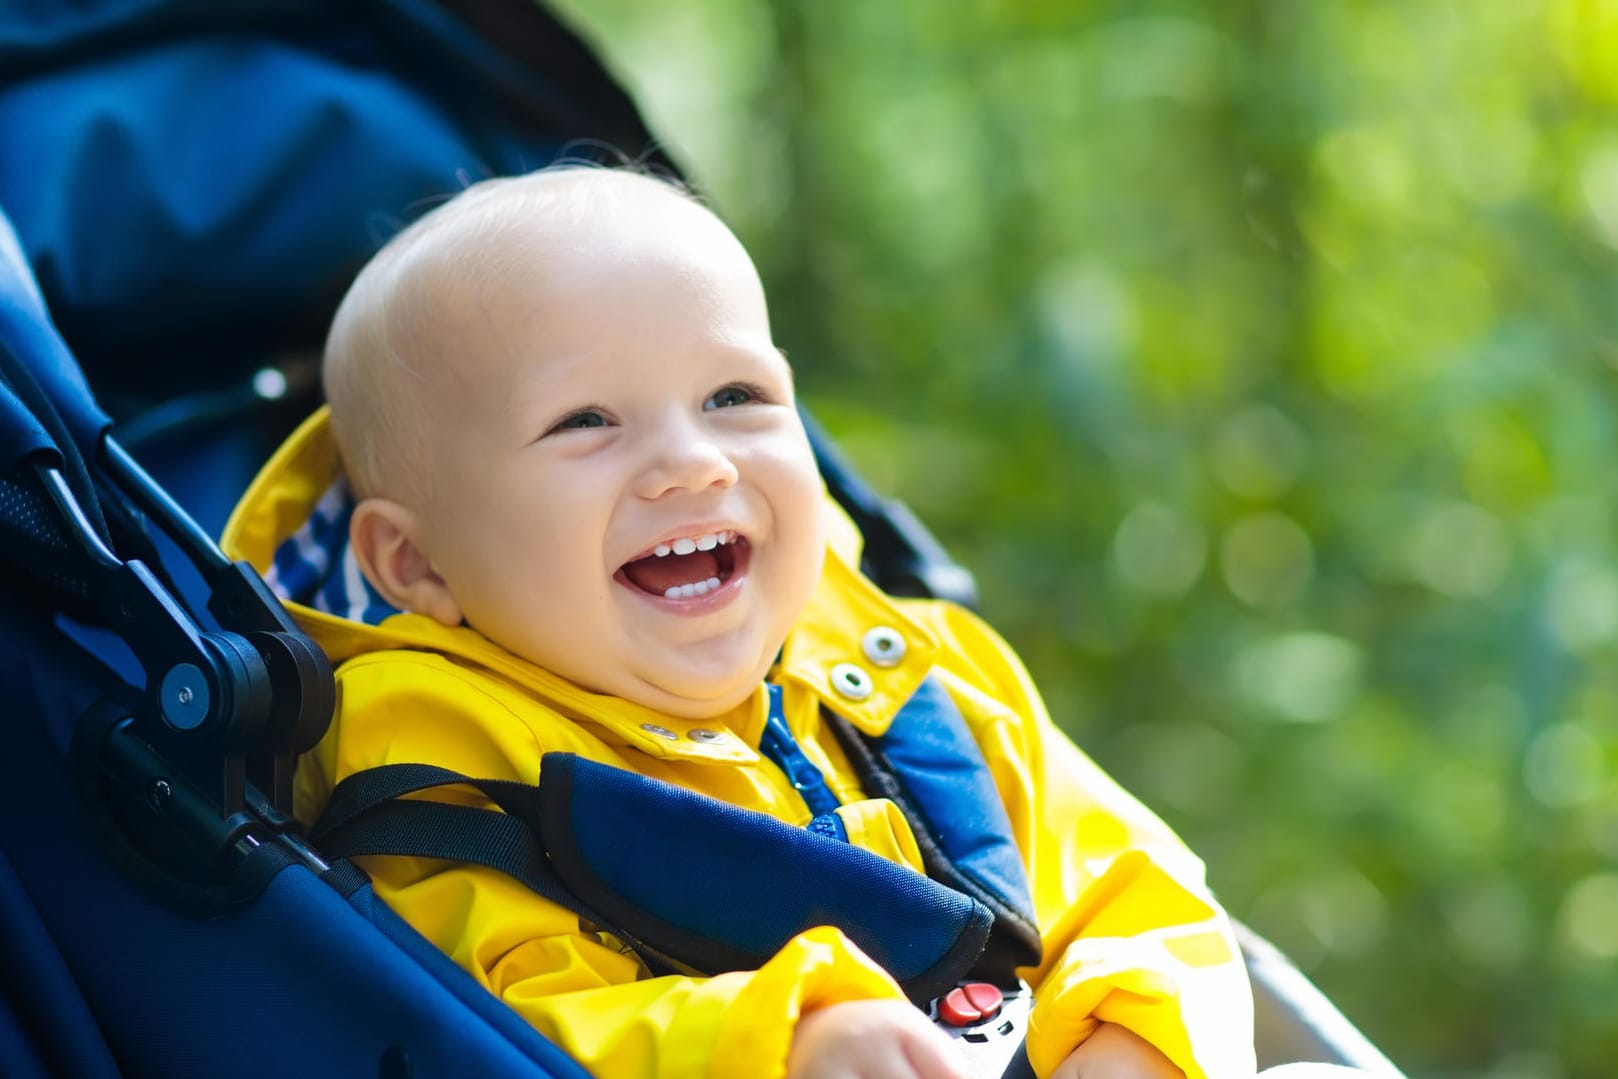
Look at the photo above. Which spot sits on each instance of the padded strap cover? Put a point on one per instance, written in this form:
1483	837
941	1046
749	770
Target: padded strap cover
696	883
928	764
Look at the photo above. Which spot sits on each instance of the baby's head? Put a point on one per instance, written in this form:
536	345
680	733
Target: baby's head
567	424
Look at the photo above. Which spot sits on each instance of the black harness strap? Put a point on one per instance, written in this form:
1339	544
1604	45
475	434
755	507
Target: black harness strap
368	815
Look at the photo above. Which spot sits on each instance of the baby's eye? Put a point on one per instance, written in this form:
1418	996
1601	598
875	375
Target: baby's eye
731	396
580	420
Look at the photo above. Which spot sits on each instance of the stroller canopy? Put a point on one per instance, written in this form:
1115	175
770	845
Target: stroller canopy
194	182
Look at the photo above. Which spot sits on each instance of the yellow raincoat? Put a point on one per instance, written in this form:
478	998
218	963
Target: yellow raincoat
1130	933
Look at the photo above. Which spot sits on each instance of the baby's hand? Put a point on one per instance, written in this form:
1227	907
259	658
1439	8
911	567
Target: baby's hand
1115	1052
871	1039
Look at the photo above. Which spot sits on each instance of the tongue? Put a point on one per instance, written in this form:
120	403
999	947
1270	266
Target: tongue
658	575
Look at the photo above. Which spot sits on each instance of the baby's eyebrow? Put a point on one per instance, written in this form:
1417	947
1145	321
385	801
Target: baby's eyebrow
792	375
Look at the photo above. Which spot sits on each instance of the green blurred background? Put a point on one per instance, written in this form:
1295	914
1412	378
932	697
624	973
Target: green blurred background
1261	358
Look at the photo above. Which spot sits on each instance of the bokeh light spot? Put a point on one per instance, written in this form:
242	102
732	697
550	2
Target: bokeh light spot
1266	559
1258	452
1459	549
1159	550
1583	605
1370	168
1305	677
1563	766
1338	913
1588	922
1461	809
1089	315
1489	922
1161	56
1599	180
1502	458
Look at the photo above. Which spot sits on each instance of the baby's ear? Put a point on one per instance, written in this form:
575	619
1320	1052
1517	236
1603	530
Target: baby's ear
384	536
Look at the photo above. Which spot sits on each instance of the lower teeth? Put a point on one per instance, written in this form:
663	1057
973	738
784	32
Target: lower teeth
689	591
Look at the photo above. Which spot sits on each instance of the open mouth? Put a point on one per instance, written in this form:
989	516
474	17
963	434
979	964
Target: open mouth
687	567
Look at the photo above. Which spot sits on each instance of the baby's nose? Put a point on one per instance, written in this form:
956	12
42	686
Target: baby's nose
689	465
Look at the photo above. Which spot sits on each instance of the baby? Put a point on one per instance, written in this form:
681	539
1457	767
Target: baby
582	516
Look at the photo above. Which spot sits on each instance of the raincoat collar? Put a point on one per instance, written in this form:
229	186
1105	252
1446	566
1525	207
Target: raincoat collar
829	653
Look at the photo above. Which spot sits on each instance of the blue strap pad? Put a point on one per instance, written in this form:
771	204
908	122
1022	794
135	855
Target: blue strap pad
716	887
929	764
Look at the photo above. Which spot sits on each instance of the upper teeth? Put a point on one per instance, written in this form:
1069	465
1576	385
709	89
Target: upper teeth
686	544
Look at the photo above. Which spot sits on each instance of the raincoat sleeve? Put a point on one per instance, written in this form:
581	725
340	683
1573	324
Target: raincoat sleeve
1131	934
580	988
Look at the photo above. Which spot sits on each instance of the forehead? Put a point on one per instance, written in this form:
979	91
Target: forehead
591	263
576	211
614	248
551	226
598	227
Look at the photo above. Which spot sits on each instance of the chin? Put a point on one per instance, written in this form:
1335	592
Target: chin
702	701
697	694
700	683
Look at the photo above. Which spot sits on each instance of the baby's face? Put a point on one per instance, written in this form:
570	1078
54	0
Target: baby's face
622	491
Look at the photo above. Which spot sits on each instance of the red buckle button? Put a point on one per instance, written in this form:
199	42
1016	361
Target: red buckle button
974	1002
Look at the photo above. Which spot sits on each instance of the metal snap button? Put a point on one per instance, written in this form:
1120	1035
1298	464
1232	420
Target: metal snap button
702	734
661	732
851	681
883	646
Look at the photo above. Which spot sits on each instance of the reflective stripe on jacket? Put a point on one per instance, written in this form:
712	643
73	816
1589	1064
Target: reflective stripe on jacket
1129	930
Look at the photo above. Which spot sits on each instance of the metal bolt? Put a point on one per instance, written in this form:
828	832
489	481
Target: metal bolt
851	682
159	795
183	697
884	646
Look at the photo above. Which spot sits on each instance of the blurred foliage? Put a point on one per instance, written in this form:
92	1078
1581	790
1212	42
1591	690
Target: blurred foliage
1260	358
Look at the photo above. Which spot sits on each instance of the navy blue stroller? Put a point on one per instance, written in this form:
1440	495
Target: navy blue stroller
185	189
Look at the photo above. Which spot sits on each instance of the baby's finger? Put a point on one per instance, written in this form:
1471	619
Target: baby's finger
932	1055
